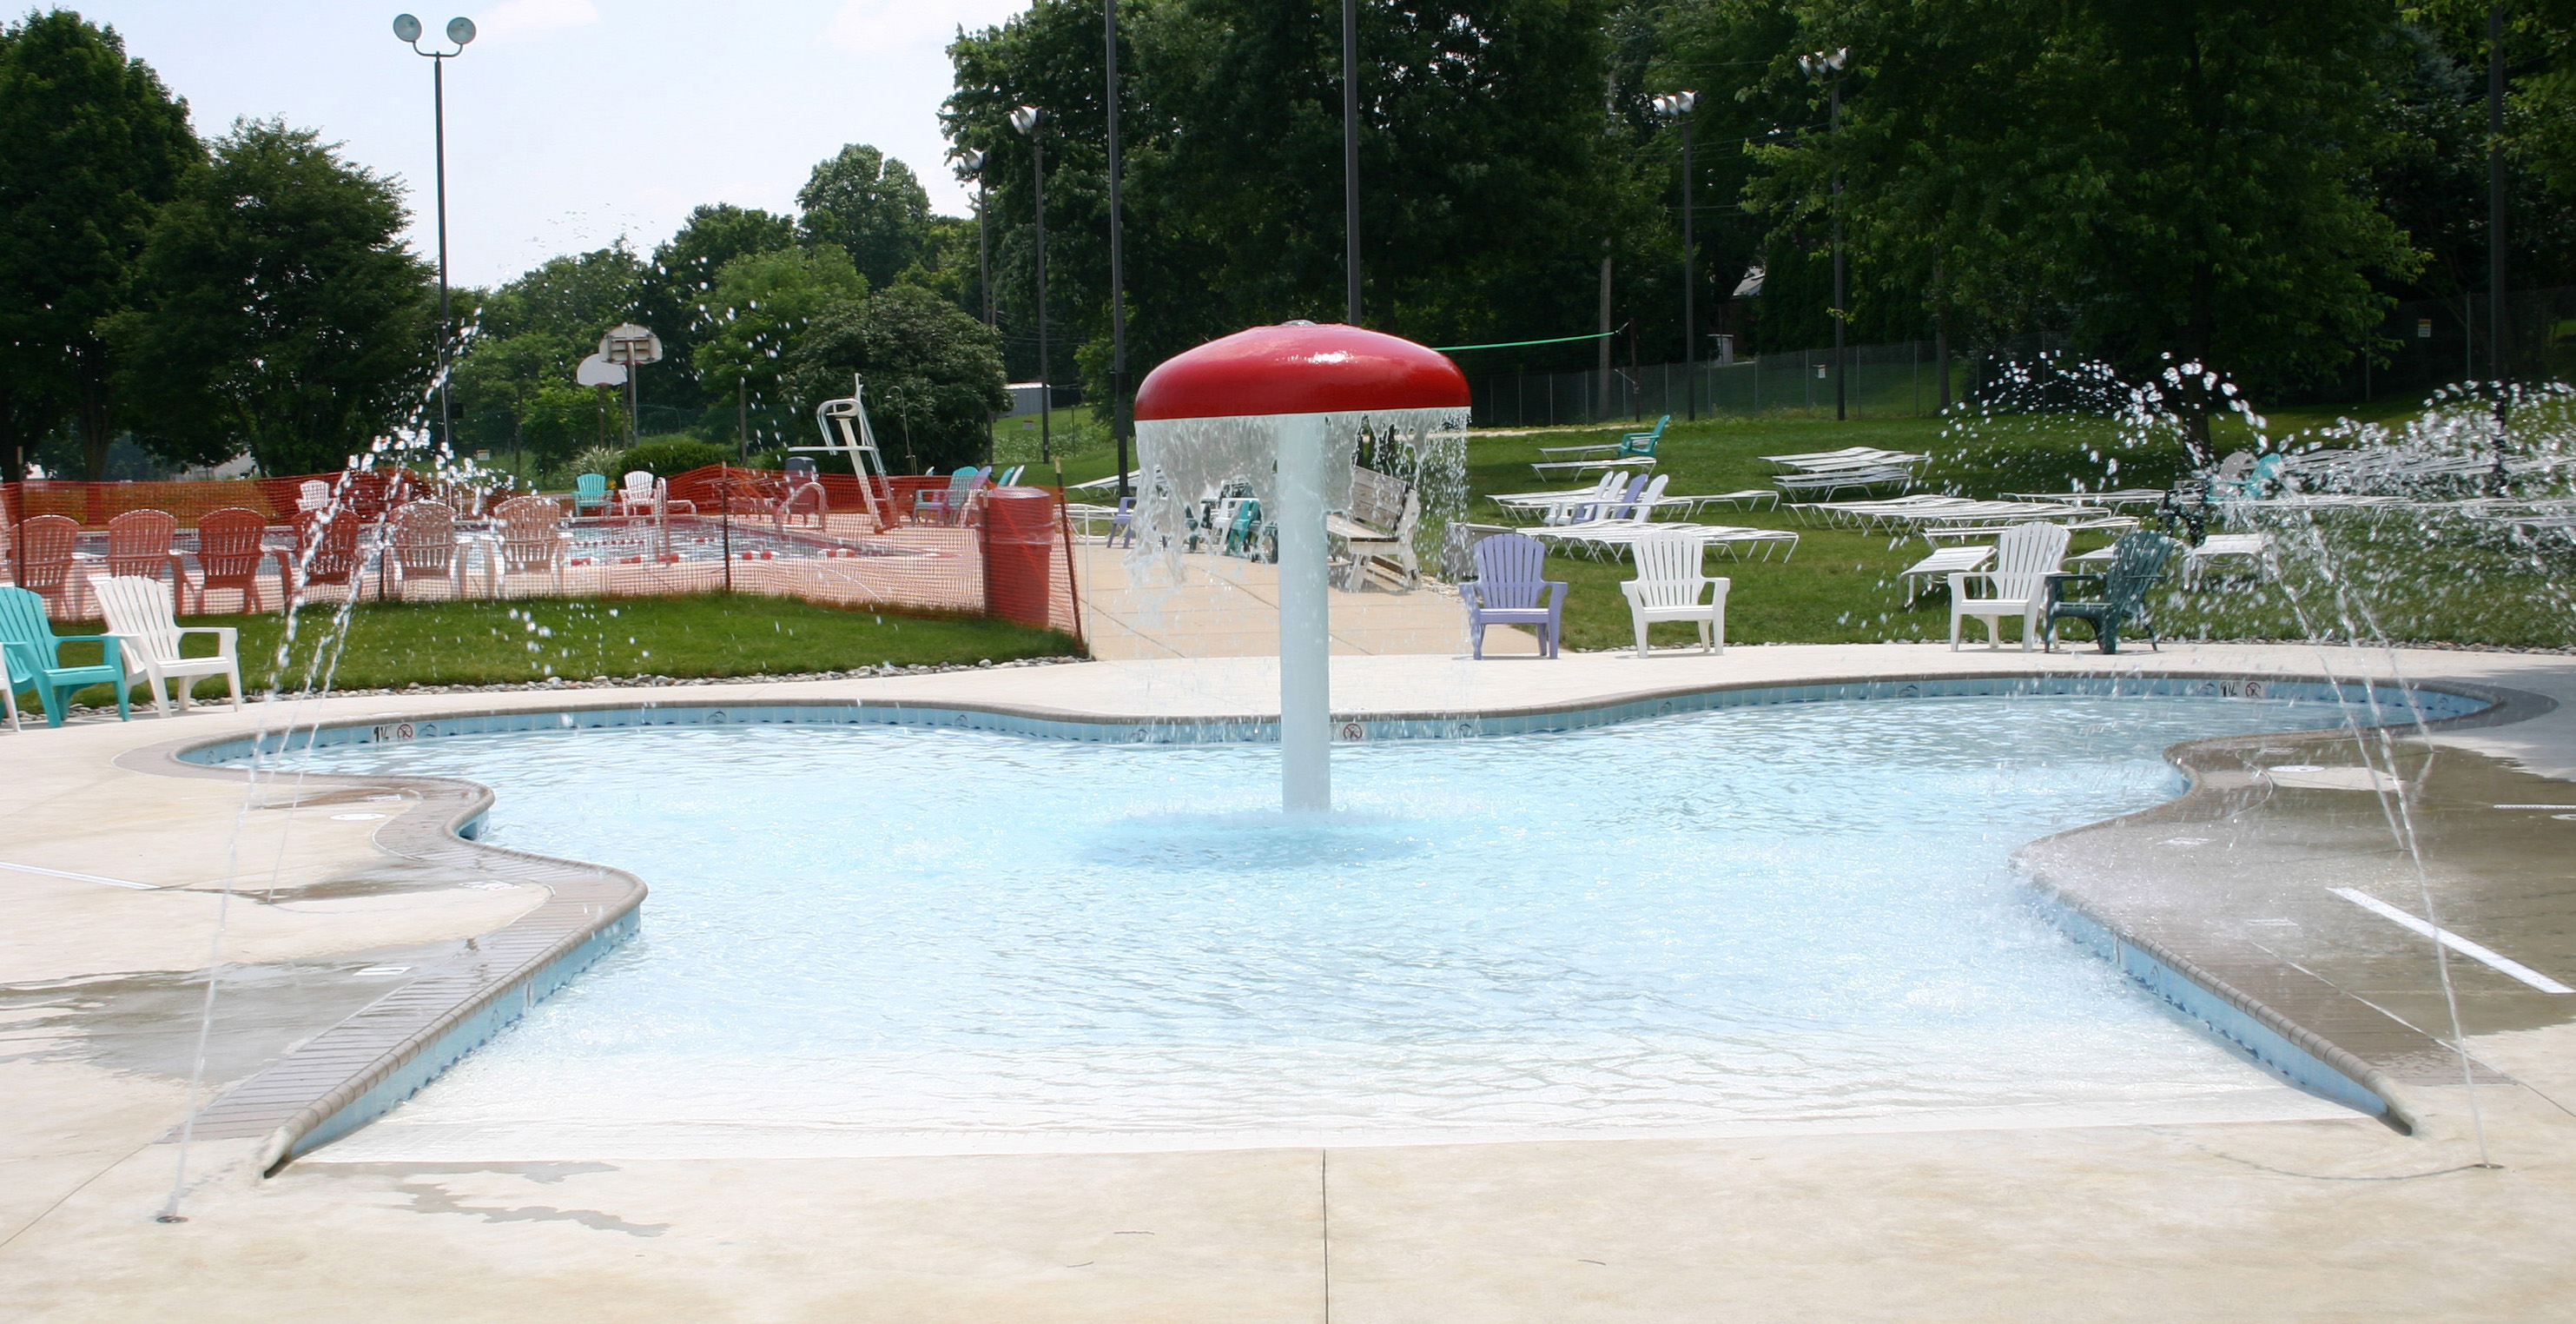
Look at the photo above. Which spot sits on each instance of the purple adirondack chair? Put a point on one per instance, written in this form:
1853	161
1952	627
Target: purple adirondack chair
1507	591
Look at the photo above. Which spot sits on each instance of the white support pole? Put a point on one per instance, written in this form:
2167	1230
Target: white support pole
1305	645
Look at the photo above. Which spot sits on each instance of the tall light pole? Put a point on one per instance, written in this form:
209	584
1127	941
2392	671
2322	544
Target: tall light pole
1029	121
1678	106
970	162
1829	66
1351	157
461	32
1121	417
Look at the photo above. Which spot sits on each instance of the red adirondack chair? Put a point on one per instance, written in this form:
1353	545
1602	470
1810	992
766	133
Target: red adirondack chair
326	552
138	543
230	553
44	562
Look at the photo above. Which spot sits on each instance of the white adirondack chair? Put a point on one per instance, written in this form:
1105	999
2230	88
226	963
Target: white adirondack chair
2025	556
138	614
1670	587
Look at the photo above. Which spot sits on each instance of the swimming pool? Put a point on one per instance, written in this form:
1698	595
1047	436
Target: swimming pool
891	939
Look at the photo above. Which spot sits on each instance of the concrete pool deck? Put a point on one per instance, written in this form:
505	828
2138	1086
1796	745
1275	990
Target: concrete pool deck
112	875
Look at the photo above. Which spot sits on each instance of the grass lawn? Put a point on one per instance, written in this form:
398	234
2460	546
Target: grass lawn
712	634
2459	586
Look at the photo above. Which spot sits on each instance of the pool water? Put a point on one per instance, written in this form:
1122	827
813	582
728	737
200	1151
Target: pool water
889	940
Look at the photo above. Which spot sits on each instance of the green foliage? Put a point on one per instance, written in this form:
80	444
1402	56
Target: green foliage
664	457
933	374
759	313
1488	184
2183	178
91	146
672	297
280	309
870	206
512	386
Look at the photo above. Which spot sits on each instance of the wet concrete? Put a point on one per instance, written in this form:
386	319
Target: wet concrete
148	1022
2243	873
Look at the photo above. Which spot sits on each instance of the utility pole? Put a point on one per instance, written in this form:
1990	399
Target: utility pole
1828	65
1605	335
1121	415
2496	319
1351	156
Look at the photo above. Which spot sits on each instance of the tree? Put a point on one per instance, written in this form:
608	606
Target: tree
2183	179
528	336
756	316
869	206
278	308
933	374
672	295
91	145
1488	181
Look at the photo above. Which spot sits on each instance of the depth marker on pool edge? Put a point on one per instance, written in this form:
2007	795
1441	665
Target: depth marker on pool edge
2453	941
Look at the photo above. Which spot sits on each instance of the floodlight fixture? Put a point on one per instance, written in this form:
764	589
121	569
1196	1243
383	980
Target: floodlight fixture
460	31
1674	105
1025	119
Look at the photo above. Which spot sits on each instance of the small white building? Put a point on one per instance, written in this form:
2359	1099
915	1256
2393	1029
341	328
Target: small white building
1026	398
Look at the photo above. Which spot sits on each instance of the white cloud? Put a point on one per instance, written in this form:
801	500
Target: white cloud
873	26
535	18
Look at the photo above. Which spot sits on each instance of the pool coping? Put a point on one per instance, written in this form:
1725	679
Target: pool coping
363	1066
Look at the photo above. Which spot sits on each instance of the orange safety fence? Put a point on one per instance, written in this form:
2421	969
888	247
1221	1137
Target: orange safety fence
894	543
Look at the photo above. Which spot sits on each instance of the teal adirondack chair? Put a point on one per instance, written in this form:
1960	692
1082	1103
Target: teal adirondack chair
1643	443
589	494
35	653
2137	562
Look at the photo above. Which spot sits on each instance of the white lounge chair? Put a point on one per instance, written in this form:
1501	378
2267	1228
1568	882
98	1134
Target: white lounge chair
148	635
2252	548
1670	586
1943	563
2025	556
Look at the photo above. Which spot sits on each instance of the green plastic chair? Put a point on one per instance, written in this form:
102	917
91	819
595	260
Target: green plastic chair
35	655
1643	443
2137	562
589	494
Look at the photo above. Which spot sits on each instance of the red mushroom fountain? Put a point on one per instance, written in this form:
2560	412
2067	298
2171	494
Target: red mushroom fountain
1282	408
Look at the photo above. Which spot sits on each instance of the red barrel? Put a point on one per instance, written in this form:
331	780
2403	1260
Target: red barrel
1019	550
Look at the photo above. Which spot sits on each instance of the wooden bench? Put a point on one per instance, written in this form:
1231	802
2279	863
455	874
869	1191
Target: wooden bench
1378	525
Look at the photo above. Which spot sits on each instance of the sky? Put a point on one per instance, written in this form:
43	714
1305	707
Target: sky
572	122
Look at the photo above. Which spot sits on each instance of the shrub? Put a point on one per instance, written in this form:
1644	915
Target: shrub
663	457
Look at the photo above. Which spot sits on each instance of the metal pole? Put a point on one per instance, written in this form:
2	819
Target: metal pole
1604	407
1121	423
2495	192
1351	155
1046	390
1690	291
1305	637
1842	365
446	324
983	246
741	417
